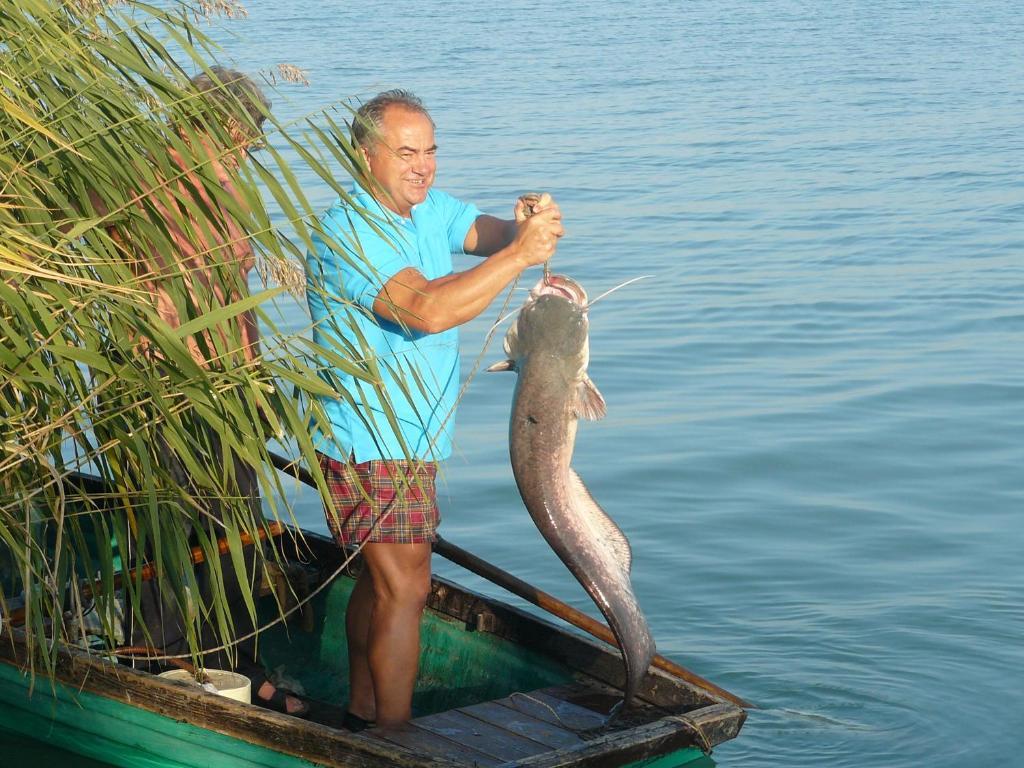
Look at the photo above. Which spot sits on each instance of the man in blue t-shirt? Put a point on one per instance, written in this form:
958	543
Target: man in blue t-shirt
385	283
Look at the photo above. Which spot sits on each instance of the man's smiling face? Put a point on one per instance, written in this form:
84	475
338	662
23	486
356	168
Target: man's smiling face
403	159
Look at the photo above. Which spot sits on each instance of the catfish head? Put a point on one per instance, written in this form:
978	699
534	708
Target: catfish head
553	329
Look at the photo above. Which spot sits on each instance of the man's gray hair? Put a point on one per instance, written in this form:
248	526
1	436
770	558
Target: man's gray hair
369	118
234	95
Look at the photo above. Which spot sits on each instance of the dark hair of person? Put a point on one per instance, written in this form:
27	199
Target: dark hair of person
236	98
369	117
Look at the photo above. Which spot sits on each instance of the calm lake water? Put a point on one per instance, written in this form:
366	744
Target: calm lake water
815	430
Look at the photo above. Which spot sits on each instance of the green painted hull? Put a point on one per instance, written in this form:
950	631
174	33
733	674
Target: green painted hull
21	751
118	734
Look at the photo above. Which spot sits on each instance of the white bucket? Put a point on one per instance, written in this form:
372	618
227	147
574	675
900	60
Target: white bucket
230	684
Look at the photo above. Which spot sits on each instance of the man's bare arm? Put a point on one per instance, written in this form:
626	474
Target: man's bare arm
433	306
489	234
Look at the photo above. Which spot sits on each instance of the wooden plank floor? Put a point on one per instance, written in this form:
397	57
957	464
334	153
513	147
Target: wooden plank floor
490	733
601	698
431	744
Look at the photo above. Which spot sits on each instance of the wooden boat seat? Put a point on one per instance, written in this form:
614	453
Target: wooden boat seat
494	732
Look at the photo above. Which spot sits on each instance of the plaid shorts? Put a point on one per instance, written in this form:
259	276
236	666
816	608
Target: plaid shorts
384	501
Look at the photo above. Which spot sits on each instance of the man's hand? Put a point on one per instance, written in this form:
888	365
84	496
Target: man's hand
538	227
529	204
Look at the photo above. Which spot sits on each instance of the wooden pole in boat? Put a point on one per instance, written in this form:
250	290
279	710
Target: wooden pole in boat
538	597
273	529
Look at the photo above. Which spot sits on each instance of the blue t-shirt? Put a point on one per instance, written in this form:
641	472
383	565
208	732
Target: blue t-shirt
343	279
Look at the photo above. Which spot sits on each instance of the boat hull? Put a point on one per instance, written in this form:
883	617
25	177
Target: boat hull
480	656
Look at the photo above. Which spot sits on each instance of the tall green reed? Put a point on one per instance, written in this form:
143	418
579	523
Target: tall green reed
92	378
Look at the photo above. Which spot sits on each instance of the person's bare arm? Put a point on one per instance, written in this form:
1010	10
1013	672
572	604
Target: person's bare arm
489	234
433	306
247	322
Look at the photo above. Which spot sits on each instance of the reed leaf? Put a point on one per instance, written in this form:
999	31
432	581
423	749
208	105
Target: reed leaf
95	102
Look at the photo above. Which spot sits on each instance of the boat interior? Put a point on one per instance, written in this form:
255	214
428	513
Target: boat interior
496	683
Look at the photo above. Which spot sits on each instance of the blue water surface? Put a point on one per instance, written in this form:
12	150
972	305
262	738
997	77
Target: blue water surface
816	404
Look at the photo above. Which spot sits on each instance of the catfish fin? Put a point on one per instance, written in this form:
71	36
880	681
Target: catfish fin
511	344
589	401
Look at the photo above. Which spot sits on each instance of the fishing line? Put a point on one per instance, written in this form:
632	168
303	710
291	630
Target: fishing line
530	199
501	320
477	363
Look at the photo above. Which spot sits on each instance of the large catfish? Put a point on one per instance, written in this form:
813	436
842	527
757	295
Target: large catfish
548	346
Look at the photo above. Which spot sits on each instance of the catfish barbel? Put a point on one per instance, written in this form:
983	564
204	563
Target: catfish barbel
548	346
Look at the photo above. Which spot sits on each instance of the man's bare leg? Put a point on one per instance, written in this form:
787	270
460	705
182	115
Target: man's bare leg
357	630
401	585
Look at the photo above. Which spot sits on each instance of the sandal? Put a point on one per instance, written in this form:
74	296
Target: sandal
355	723
278	702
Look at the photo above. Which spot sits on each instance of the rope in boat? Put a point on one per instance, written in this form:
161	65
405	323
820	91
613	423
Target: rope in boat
705	743
544	704
145	651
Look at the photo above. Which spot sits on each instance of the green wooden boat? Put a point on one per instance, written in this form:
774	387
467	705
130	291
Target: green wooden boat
498	686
